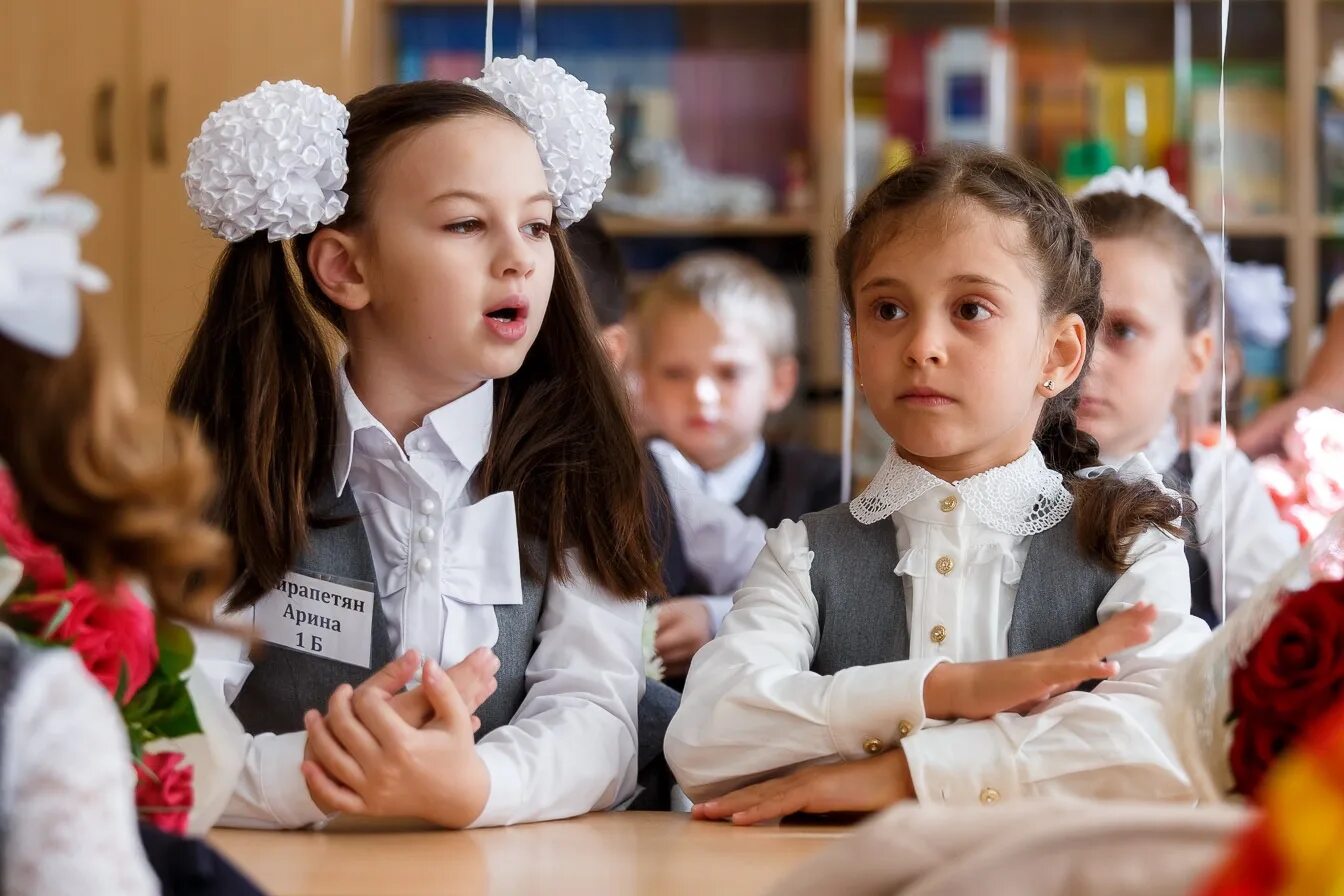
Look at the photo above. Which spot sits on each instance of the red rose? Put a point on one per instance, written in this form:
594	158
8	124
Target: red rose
1296	670
1256	744
110	632
163	791
41	562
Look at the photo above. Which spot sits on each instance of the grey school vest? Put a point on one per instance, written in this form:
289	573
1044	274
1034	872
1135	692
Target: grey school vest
284	684
861	602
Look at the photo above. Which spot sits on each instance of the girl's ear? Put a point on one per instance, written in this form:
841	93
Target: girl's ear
1065	358
1199	355
335	263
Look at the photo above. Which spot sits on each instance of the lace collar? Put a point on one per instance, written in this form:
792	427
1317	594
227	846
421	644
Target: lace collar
1022	498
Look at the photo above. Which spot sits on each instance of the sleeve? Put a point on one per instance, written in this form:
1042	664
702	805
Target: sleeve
572	747
752	707
1258	540
69	788
1110	742
270	791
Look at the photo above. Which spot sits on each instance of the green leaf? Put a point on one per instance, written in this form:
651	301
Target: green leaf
57	618
123	682
176	649
177	719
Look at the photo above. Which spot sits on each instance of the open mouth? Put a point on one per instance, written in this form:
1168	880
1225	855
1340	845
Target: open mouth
509	319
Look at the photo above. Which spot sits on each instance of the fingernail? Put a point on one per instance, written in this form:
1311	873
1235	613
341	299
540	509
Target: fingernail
433	672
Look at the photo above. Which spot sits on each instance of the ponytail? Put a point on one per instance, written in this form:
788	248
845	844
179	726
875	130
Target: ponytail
1110	512
259	381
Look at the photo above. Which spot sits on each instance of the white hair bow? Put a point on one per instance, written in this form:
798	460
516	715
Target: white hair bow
40	270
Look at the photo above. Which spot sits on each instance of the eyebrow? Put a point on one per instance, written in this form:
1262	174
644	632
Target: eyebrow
481	198
967	279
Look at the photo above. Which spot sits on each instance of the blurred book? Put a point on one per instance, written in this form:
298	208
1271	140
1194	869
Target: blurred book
1253	146
1052	100
1134	111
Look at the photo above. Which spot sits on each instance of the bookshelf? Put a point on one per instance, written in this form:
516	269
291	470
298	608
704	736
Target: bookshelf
1291	37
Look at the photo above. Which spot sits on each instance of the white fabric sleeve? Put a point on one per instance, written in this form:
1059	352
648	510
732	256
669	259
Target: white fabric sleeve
572	747
69	788
1258	540
270	791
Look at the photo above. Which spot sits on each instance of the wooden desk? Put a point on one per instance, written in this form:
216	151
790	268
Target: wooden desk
609	854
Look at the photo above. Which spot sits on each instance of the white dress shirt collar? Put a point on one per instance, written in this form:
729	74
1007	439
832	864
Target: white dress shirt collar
463	427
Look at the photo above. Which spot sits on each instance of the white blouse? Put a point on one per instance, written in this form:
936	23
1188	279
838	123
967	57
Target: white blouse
67	787
720	541
443	559
752	708
1258	539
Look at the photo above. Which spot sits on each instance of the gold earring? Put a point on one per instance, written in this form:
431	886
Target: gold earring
1049	385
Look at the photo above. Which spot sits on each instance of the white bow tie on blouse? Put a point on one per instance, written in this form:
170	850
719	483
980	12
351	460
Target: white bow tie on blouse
472	556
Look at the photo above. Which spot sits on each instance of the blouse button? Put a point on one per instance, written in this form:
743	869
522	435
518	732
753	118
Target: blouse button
948	504
427	506
938	634
423	565
905	728
989	796
872	746
944	565
426	535
422	444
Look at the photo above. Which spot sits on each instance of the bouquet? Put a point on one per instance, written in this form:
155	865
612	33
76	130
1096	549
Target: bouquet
1293	845
1307	482
141	660
1266	677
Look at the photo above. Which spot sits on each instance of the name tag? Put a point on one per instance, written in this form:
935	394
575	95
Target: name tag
326	617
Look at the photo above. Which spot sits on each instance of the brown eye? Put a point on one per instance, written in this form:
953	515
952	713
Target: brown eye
972	311
889	311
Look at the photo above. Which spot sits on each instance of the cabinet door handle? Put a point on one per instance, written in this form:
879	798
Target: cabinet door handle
104	102
158	123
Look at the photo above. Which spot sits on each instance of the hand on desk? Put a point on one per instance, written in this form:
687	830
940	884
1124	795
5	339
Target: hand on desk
380	752
863	785
951	691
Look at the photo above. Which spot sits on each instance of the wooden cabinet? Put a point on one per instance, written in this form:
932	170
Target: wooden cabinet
127	83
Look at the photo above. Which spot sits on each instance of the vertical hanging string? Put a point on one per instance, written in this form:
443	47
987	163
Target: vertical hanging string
1222	293
527	43
849	188
489	31
347	33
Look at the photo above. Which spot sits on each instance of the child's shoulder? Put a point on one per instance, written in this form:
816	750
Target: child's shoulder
798	463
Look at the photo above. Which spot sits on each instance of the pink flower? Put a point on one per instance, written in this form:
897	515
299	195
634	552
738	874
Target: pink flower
110	632
1324	489
1309	521
40	561
163	791
1281	484
1317	439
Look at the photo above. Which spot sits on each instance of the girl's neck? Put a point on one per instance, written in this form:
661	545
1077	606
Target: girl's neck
397	398
956	467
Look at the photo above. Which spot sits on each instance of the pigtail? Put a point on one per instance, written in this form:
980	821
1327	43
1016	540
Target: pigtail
1110	512
258	379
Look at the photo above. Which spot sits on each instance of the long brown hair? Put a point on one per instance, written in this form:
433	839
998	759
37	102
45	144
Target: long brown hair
259	378
1110	512
118	489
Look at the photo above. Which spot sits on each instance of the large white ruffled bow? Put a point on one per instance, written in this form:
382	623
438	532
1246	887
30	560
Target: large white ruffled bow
473	554
40	270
